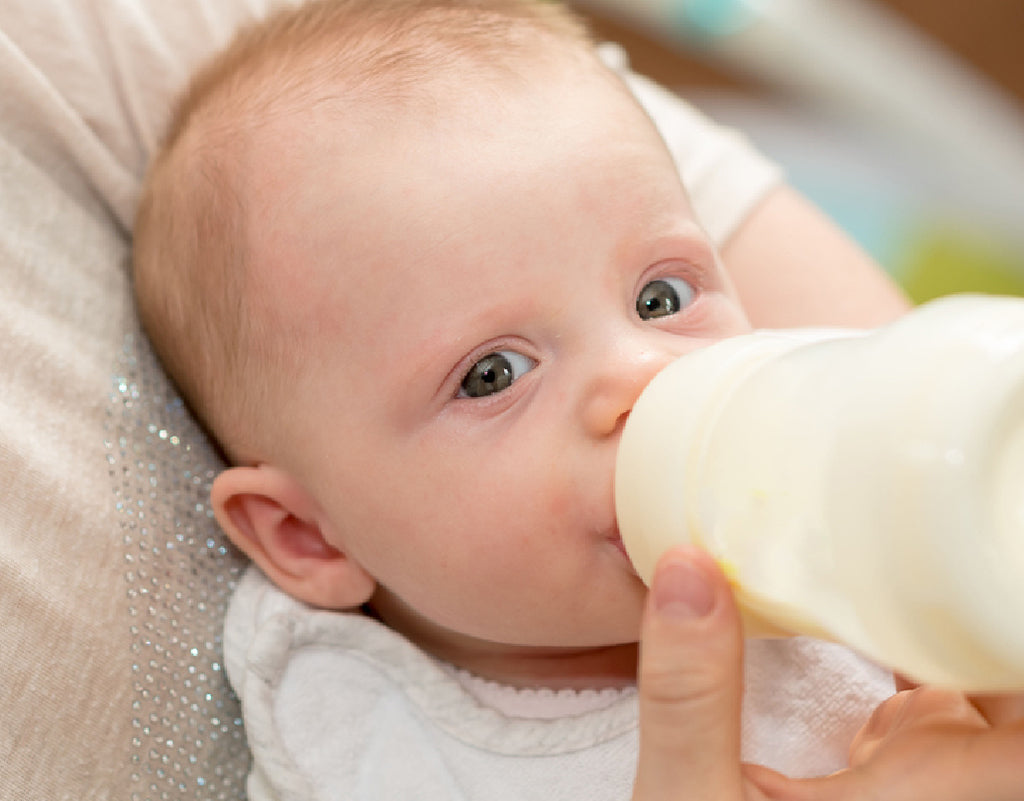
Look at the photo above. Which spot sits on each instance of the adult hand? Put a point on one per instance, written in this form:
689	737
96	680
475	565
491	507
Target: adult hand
920	744
926	743
691	687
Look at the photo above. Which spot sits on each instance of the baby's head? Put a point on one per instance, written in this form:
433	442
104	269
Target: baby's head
217	192
411	262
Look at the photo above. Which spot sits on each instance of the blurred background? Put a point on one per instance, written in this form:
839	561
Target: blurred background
902	119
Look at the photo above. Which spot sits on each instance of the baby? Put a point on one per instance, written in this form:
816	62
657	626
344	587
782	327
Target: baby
411	263
412	267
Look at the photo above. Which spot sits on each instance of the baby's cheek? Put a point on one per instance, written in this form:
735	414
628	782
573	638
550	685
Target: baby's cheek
559	503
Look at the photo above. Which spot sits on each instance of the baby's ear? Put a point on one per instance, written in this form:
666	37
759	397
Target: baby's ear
276	522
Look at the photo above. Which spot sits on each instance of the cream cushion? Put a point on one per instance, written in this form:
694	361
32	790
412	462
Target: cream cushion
112	574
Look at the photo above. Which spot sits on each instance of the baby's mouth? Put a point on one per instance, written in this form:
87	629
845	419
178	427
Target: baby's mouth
616	540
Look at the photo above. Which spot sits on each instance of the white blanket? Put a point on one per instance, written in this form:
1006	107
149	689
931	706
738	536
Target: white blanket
338	707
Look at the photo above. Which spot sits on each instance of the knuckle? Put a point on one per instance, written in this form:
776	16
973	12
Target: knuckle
669	685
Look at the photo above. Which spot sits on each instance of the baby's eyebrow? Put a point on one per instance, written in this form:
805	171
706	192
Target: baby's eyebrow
675	236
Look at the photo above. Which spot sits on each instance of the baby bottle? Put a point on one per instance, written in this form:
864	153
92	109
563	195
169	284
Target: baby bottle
863	487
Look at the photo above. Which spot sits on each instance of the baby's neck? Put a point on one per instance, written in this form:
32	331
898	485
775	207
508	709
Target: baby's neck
553	668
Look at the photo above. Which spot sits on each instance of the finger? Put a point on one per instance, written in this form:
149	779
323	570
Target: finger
1000	710
935	705
924	706
690	684
948	762
879	725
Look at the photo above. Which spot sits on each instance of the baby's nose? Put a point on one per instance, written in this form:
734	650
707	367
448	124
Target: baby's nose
617	384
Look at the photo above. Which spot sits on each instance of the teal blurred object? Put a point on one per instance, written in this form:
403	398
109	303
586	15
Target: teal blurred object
948	209
710	19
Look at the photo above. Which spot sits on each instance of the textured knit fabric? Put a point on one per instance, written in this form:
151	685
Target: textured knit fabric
337	706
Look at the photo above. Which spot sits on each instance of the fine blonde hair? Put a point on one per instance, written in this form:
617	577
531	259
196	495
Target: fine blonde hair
191	255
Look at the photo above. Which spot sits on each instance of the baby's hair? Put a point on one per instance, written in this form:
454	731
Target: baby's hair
193	288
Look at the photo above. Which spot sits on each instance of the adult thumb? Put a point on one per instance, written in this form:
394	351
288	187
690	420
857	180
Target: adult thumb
690	684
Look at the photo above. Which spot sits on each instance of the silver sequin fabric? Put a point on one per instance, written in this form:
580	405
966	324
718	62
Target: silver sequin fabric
179	571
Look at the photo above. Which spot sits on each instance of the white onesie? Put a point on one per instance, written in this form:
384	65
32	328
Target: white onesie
338	706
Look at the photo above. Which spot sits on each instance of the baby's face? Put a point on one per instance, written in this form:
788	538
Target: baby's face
486	297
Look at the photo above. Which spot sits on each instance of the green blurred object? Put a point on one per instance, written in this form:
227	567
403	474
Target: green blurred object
938	261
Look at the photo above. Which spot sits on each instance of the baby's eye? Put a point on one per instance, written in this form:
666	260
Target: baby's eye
495	372
662	297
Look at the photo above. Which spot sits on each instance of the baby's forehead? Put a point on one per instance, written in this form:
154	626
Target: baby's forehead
336	138
389	63
285	122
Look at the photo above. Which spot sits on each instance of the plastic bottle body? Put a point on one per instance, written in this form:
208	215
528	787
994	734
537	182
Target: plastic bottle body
864	487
